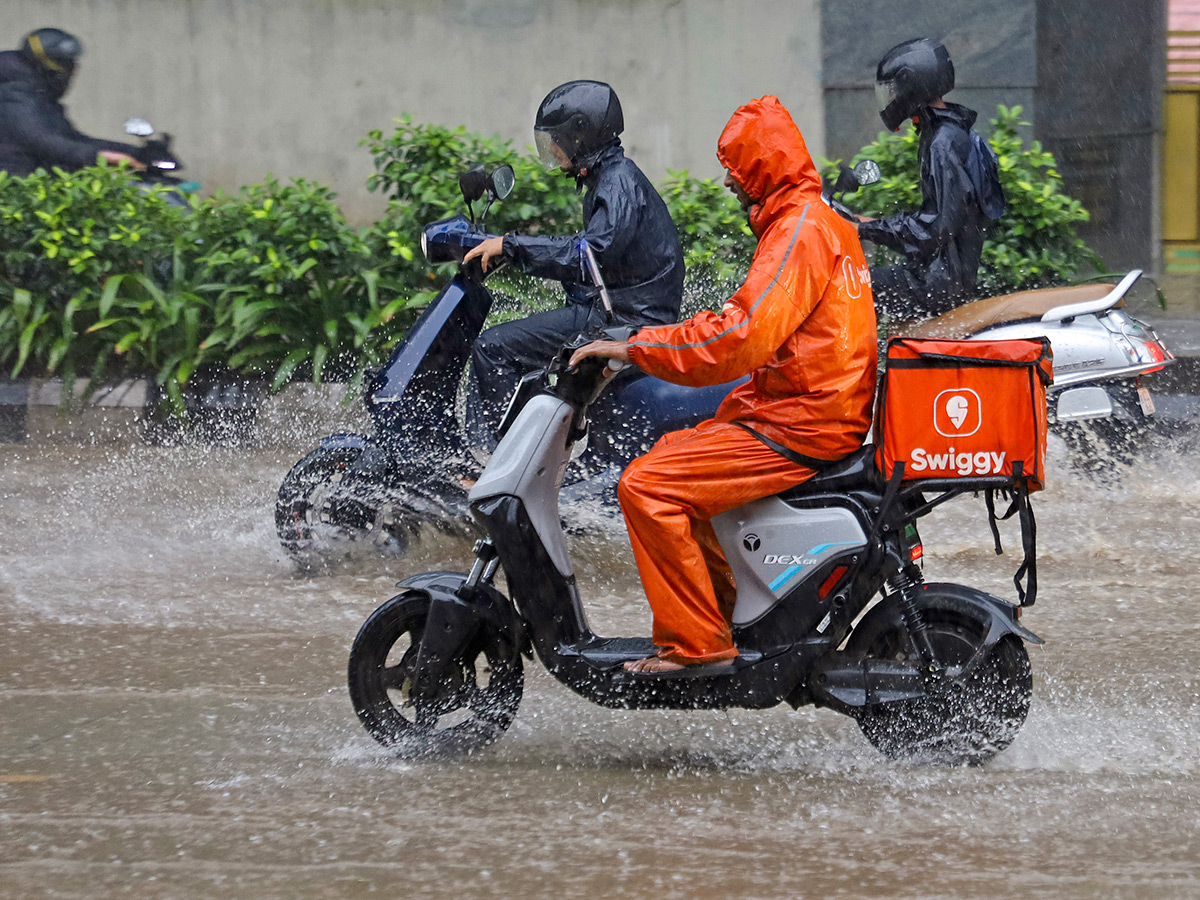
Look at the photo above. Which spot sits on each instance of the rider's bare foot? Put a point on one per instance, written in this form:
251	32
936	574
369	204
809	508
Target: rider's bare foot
653	665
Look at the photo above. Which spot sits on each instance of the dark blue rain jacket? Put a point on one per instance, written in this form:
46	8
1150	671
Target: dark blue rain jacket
34	130
960	186
628	227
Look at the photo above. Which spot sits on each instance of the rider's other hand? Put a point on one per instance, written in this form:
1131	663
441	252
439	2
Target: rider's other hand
866	219
486	252
618	350
114	157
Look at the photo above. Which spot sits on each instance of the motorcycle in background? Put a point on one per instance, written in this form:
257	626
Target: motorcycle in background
161	163
378	489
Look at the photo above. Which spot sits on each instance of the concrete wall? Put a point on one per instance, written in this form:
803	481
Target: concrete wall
1101	74
992	43
290	86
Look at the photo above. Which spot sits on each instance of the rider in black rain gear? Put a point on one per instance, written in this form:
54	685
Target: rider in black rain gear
960	186
34	130
626	225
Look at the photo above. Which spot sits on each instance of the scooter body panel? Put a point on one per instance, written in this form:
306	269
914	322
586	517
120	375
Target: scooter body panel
773	548
411	399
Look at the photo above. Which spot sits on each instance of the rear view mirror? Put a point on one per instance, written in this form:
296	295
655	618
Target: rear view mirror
867	172
501	181
473	183
138	127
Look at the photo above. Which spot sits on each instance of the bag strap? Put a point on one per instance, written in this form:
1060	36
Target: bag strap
1019	506
809	462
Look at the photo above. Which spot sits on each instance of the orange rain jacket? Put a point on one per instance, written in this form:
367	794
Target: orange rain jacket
804	321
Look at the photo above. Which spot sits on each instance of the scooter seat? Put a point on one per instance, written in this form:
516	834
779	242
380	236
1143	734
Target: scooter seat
971	318
857	470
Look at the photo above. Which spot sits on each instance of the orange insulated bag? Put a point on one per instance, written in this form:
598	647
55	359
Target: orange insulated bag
965	410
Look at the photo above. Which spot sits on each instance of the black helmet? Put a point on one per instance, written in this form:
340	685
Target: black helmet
910	76
55	54
579	118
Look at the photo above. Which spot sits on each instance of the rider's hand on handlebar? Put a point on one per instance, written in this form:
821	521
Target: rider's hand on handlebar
485	252
618	350
114	157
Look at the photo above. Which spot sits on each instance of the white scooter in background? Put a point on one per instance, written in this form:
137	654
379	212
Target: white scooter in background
1098	403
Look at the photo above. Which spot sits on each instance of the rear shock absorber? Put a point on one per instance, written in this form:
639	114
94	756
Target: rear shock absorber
904	587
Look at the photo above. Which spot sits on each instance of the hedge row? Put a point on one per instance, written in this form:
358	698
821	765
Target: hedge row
101	277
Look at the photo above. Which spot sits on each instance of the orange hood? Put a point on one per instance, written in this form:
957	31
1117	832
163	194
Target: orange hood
764	150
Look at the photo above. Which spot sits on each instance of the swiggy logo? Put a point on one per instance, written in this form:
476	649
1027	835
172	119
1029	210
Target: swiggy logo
957	413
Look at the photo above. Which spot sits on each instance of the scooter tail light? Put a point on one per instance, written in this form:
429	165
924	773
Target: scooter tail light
917	552
1157	354
831	582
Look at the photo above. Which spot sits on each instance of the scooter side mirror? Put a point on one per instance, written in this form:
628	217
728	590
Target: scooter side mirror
473	183
501	182
866	172
138	127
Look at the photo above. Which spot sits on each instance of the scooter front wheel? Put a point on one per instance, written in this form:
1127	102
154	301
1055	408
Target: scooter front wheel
964	721
477	705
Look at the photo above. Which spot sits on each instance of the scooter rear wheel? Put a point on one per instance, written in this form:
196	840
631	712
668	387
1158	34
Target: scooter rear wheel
964	722
476	709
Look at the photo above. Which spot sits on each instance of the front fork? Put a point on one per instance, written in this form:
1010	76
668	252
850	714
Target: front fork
453	622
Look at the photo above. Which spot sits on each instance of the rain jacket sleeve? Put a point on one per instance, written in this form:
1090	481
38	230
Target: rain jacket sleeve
47	137
945	214
778	295
610	226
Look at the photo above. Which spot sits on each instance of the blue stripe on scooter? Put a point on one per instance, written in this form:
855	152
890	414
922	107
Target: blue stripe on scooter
785	577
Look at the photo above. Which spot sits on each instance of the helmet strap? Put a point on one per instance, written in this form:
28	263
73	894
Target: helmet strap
39	53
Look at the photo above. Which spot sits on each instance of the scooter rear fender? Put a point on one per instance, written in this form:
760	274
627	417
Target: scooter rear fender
847	680
374	464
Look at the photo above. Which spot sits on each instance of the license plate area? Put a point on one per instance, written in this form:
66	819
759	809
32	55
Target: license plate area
1146	401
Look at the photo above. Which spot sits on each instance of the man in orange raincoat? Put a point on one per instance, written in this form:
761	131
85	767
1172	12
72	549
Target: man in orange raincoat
803	327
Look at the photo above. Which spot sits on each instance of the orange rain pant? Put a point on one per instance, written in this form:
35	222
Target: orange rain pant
669	497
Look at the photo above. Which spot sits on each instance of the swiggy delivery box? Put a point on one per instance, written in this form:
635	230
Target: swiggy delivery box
965	409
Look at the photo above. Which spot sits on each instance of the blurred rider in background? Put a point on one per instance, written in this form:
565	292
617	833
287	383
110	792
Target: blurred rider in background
960	187
34	129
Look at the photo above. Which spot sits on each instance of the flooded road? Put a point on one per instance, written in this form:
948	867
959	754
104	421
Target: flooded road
174	720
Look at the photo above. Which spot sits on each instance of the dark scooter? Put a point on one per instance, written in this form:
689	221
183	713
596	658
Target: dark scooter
378	489
162	165
831	610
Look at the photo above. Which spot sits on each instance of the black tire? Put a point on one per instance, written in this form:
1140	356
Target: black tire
314	523
961	722
477	712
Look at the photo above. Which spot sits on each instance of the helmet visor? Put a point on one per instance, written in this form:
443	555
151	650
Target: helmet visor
885	93
549	152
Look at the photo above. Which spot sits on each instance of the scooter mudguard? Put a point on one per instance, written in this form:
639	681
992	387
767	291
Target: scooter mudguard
456	614
373	464
848	680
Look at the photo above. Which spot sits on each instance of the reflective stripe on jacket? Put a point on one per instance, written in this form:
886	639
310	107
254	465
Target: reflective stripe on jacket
804	320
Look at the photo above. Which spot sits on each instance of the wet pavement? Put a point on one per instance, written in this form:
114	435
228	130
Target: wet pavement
174	721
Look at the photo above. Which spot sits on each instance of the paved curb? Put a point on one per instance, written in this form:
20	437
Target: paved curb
128	413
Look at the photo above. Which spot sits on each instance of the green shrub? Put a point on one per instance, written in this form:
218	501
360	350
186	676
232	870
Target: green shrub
1033	245
101	277
64	238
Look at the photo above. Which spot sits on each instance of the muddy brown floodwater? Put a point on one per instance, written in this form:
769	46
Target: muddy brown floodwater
174	721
